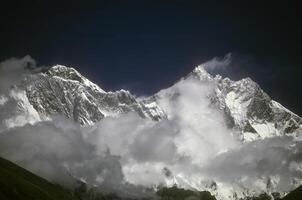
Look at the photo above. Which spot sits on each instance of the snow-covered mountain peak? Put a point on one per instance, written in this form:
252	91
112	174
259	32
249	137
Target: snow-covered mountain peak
71	74
247	109
250	110
201	73
62	90
65	72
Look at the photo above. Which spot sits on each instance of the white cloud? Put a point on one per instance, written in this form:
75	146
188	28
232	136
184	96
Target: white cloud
12	70
263	159
218	63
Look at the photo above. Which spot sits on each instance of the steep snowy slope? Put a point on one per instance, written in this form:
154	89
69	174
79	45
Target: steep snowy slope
247	109
64	91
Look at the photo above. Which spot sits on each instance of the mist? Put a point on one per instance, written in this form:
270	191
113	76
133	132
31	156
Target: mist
12	70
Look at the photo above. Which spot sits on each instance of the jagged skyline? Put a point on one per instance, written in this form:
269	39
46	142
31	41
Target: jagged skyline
121	44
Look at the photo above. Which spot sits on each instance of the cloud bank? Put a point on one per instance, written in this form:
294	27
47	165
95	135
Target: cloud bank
12	70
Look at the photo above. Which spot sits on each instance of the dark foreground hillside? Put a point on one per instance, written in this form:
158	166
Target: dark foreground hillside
294	195
17	183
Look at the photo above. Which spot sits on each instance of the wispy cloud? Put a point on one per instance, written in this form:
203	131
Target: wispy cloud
218	63
12	70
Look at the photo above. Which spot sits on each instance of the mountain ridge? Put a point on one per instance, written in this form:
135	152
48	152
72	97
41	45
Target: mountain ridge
247	108
244	103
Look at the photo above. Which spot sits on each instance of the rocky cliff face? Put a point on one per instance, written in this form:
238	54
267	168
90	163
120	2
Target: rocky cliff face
247	109
62	90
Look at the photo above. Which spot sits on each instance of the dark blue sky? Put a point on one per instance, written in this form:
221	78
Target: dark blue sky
144	46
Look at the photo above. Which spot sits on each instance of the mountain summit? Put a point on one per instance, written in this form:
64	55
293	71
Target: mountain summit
62	90
248	109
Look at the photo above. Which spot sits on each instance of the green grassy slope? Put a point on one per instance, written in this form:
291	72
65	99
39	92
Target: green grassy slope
17	183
